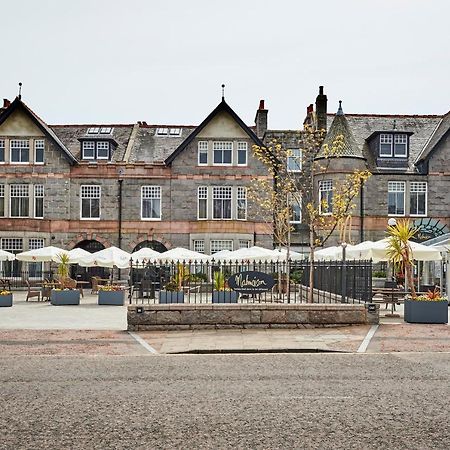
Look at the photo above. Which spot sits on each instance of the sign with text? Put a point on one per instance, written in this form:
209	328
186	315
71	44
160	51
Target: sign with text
251	282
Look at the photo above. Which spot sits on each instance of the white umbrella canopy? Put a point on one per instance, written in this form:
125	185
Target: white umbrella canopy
7	256
332	253
108	257
182	254
377	251
280	254
41	254
145	254
248	254
77	254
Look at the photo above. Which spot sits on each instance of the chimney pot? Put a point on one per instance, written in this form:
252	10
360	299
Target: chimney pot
261	104
321	110
6	103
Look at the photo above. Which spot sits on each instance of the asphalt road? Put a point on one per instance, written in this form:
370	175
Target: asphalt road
311	401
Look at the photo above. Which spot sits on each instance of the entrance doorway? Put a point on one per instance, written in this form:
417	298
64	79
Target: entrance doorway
154	245
86	273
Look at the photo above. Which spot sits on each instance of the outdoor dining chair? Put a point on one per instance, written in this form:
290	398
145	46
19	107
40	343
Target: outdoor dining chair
32	292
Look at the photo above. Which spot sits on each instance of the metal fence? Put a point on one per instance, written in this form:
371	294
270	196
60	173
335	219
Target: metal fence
206	282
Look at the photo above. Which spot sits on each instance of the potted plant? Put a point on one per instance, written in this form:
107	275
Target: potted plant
6	298
431	307
111	295
378	278
173	290
67	293
221	293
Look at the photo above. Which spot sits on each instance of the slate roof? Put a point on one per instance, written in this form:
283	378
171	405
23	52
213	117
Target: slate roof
364	125
18	103
440	131
70	135
150	148
340	127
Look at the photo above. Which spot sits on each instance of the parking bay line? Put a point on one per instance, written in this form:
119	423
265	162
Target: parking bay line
365	343
144	344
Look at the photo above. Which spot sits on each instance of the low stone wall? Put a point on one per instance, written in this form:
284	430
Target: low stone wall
195	316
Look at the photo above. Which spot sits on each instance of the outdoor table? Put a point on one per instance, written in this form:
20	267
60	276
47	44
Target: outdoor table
389	295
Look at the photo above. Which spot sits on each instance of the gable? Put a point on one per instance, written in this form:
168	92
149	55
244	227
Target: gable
222	126
19	124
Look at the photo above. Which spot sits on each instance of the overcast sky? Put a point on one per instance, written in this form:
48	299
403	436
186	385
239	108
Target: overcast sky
161	61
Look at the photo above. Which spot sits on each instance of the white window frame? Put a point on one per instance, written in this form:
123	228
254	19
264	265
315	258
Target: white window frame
388	139
22	141
242	147
416	187
244	243
25	188
175	132
222	144
293	203
3	199
241	195
105	130
93	130
106	146
202	195
3	147
403	140
198	245
152	193
38	192
92	188
222	190
202	147
326	186
162	131
394	187
39	144
83	148
296	158
220	244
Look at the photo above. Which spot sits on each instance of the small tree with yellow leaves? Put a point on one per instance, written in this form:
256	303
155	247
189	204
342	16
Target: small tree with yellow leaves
274	197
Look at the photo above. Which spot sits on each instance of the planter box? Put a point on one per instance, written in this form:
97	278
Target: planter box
426	312
378	282
60	298
6	300
116	298
225	297
171	297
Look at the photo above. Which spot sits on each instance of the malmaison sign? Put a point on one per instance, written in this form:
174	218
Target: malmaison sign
251	282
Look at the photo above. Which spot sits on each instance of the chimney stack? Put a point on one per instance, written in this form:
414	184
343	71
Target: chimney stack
261	120
321	110
309	119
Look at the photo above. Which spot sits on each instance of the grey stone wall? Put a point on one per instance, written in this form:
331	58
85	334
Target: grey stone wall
181	316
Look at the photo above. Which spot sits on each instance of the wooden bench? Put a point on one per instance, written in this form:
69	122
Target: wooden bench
389	296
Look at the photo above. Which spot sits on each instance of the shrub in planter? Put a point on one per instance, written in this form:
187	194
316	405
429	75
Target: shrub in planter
429	308
220	293
171	294
111	295
61	297
6	298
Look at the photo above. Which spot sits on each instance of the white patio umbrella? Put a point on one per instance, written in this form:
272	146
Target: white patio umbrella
41	254
76	254
377	251
254	253
182	254
7	256
108	257
144	255
332	253
280	254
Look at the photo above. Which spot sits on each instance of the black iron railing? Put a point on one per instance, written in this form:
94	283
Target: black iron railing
206	282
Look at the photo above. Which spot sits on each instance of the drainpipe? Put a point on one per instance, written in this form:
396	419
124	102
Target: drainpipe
119	237
361	212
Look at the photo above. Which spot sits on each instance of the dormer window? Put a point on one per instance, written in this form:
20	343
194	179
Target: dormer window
92	150
393	145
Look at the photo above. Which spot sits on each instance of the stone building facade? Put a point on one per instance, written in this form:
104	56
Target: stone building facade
128	185
408	156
